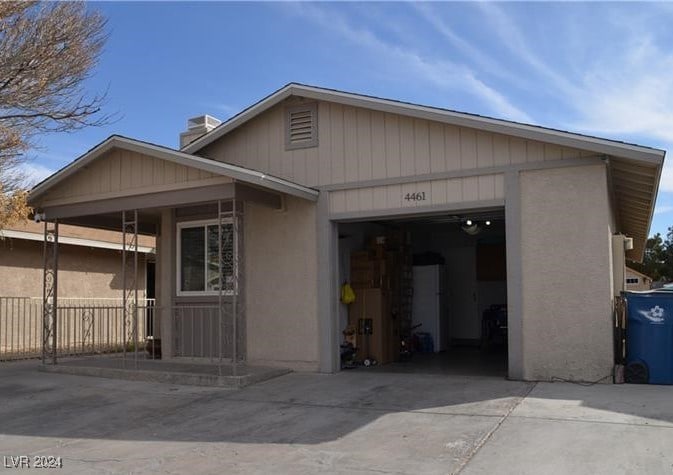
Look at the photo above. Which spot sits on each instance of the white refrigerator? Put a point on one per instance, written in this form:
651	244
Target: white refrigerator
429	304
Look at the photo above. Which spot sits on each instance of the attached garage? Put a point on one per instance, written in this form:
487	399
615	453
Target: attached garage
520	231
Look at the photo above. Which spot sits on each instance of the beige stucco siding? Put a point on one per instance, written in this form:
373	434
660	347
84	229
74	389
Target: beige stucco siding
434	192
121	172
281	285
83	272
356	144
566	280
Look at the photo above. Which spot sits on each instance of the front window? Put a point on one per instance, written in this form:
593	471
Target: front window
198	258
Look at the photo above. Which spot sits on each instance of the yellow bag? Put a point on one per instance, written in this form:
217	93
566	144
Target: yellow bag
347	294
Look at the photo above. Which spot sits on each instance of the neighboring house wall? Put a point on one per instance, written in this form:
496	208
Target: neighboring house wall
637	281
566	280
357	144
84	272
281	283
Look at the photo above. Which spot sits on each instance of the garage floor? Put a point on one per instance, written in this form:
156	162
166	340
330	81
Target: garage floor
461	361
353	422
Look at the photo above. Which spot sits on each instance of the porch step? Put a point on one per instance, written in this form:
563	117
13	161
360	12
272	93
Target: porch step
166	372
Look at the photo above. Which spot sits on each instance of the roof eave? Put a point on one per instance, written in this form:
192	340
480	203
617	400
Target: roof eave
237	173
558	137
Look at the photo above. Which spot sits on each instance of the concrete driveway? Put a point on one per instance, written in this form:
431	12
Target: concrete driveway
353	422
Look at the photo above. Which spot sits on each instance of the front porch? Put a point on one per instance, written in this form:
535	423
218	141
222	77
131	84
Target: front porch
194	332
173	371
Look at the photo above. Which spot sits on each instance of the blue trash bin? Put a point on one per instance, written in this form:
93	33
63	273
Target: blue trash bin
649	337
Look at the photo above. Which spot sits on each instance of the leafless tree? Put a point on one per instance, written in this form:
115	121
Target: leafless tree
47	51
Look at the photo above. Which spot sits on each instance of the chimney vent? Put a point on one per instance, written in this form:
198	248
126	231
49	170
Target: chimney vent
197	127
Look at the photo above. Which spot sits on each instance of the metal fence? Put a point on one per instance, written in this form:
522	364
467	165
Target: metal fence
85	326
206	331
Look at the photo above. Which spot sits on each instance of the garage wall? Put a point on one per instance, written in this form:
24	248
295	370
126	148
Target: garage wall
281	280
566	279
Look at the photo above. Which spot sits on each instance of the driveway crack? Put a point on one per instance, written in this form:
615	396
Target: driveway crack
489	434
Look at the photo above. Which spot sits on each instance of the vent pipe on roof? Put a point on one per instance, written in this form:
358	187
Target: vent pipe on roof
198	127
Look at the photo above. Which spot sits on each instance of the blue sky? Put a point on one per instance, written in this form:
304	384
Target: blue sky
597	68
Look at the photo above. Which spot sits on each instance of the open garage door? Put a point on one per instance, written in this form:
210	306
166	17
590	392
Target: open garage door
430	294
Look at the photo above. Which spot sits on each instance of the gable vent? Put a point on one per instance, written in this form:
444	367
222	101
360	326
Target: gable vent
301	127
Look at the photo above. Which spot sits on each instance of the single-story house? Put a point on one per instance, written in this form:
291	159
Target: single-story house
637	280
263	217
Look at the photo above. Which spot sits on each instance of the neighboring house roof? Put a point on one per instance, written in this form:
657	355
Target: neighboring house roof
639	274
533	132
241	174
77	236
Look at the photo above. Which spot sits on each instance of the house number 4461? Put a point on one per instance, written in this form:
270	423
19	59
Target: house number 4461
418	196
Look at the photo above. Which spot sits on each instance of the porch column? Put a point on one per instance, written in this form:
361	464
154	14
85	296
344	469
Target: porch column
165	273
130	282
50	293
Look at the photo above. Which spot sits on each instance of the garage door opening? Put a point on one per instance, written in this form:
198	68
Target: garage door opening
430	294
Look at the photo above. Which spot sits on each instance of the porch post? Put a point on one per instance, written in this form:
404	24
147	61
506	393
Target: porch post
234	297
166	271
130	289
50	292
220	284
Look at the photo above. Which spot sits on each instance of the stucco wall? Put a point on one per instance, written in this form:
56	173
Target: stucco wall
281	280
566	280
84	272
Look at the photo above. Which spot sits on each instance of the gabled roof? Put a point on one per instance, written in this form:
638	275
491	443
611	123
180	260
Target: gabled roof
517	129
241	174
633	271
635	170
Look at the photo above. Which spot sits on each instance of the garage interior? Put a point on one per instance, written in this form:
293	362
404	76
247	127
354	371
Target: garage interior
430	294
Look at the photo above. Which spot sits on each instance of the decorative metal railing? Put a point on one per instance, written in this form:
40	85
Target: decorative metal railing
206	331
83	327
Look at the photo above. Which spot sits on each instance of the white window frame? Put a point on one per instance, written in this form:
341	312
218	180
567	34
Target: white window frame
178	247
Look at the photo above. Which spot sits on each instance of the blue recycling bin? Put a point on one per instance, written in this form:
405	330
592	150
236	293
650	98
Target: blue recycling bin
649	337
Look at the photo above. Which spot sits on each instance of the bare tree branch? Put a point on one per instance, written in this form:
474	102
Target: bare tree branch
47	52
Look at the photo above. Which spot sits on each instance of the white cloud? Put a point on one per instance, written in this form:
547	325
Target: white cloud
34	172
515	41
663	209
476	55
412	66
626	92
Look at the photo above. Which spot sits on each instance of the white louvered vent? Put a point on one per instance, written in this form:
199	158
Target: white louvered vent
301	127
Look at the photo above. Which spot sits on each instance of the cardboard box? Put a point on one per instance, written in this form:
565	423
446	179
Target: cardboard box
372	305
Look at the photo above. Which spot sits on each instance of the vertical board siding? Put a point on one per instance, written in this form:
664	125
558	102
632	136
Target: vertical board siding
121	170
378	151
357	144
350	144
335	156
437	192
363	150
392	144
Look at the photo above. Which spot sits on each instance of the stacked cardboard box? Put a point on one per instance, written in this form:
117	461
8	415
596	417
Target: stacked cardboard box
377	277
